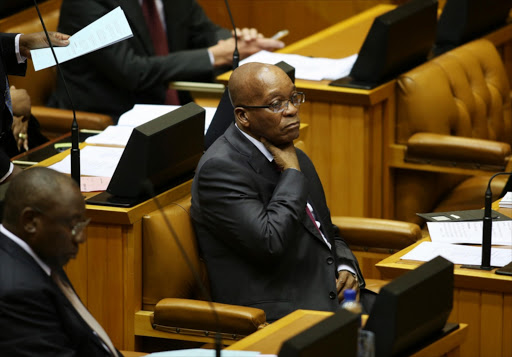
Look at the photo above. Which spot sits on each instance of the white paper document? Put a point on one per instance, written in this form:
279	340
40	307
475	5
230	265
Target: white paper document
107	30
94	161
469	232
201	352
506	201
140	114
309	68
458	254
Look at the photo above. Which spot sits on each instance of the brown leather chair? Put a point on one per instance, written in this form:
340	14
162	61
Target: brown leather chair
453	130
40	84
373	239
173	304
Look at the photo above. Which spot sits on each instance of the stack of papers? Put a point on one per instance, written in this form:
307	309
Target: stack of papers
309	68
506	201
119	134
449	239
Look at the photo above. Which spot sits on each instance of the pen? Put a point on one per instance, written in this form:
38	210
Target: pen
280	34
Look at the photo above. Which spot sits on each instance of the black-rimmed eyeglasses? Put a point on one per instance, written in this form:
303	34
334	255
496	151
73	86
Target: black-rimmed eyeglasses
279	106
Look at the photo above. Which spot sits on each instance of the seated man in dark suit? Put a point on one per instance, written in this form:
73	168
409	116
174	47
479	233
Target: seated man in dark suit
173	40
259	208
40	314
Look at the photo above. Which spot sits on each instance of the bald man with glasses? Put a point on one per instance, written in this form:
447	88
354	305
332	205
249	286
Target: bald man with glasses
259	209
40	313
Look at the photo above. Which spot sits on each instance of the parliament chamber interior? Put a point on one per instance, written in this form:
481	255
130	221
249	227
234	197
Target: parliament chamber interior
418	125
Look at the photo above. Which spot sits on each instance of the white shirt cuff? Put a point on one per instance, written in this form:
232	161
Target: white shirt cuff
347	268
11	168
210	54
19	57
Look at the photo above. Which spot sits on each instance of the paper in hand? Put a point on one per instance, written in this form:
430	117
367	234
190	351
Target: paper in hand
107	30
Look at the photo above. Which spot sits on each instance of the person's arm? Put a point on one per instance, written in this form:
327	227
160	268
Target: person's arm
232	205
8	55
125	64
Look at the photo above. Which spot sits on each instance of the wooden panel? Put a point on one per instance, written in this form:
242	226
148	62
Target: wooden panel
491	317
468	307
270	16
507	325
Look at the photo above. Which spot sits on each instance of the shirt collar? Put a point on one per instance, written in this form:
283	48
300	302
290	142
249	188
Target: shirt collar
258	144
23	245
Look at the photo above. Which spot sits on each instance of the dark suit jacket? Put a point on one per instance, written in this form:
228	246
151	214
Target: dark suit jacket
36	319
115	78
8	66
260	247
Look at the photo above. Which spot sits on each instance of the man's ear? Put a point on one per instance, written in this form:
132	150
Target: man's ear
241	117
28	220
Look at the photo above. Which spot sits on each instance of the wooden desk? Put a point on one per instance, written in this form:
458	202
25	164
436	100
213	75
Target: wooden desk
482	299
350	130
270	339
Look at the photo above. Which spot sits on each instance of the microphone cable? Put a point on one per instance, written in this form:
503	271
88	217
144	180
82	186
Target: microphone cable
75	151
218	341
236	55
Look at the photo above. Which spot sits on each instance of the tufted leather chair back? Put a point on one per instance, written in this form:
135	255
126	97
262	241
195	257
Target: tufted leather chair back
464	92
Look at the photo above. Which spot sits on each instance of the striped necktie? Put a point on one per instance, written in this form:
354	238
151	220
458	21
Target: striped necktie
73	298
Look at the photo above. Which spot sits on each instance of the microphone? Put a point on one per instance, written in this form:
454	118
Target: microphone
75	151
487	228
148	187
236	55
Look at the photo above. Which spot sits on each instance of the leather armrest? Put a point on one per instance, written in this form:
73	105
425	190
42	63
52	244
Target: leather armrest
429	146
197	314
377	233
59	120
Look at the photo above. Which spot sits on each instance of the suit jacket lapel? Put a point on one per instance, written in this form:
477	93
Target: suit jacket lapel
133	12
255	158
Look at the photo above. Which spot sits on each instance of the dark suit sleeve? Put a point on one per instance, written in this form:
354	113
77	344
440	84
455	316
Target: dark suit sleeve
127	66
343	252
10	65
30	326
257	227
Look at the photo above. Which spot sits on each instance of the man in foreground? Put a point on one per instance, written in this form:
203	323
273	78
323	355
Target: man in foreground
42	227
259	209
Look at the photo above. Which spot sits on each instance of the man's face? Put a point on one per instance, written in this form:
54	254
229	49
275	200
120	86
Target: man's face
57	237
278	128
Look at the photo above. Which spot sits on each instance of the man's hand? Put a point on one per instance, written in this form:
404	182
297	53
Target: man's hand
346	281
38	40
285	156
250	41
21	105
21	110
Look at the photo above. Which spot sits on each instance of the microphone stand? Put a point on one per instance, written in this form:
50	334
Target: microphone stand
218	340
236	55
75	150
487	228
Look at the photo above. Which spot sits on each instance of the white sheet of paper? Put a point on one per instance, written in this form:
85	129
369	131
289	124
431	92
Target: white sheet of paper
201	352
112	135
94	161
506	201
469	232
458	254
140	114
107	30
309	68
93	183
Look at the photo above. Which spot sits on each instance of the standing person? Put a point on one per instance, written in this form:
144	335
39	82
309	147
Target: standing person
42	228
173	40
14	50
259	209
